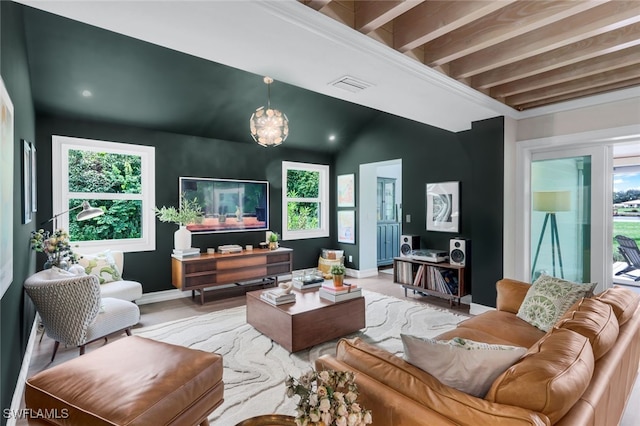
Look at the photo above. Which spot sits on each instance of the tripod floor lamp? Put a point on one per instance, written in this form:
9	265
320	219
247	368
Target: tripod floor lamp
551	202
87	213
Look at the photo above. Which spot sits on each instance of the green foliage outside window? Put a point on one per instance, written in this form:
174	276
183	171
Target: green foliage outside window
98	172
303	215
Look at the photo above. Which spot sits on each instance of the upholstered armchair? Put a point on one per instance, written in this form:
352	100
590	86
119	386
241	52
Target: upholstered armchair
72	310
112	284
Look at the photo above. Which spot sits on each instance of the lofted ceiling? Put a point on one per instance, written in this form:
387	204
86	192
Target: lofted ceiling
523	53
196	67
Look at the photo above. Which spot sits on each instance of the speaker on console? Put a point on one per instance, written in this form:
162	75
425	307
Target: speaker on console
408	243
459	251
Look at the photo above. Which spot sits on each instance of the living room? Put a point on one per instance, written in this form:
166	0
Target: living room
483	159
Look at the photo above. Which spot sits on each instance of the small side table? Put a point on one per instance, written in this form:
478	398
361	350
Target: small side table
269	420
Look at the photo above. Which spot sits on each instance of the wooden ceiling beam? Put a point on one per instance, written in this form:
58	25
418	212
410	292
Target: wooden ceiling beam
341	11
581	69
602	19
315	4
598	80
432	19
582	93
514	20
371	15
613	41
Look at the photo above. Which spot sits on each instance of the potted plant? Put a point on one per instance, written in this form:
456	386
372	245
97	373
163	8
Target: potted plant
273	241
338	274
189	212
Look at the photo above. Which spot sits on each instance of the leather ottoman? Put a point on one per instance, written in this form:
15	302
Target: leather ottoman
132	381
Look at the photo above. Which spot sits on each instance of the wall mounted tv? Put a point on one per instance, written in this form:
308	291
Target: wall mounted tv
228	205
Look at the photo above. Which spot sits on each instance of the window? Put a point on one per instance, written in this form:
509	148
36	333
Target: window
116	177
305	200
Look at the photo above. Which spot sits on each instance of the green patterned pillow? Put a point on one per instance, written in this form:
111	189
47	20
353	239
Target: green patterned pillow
101	265
549	298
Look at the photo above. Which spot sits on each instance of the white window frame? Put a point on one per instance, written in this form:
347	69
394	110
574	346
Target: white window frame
61	194
323	199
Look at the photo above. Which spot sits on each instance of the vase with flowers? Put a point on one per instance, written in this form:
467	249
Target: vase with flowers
56	246
327	398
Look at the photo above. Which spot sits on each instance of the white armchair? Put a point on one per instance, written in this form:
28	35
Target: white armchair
72	310
120	288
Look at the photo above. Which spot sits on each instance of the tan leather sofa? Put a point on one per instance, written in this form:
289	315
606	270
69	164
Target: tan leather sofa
579	373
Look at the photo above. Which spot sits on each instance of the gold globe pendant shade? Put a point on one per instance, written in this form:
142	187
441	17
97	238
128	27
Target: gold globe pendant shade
269	127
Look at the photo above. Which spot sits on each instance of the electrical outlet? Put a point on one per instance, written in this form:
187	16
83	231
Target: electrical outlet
408	218
350	258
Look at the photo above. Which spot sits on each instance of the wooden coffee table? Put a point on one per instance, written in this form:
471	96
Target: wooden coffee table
307	322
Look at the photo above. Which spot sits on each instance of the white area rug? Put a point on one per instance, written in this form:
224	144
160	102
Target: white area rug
255	367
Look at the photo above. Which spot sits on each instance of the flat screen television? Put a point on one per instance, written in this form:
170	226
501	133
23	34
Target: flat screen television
228	205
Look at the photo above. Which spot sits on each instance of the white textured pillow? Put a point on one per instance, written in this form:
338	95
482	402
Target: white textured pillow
463	364
102	265
549	298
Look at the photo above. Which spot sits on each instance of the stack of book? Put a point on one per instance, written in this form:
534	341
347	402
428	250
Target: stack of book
278	297
339	294
183	253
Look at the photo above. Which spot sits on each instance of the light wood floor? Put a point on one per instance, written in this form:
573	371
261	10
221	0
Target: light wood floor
157	313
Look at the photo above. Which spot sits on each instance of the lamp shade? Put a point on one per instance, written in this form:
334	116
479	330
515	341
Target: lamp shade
552	201
88	212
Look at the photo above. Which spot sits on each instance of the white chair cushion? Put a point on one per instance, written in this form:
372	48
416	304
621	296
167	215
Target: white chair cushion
123	289
116	315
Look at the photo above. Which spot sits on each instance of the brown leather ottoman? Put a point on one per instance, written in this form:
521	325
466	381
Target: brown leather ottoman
132	381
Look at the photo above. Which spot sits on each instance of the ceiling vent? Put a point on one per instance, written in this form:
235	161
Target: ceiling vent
351	84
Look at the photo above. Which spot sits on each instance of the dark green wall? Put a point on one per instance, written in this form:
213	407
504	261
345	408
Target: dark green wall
16	310
180	155
473	157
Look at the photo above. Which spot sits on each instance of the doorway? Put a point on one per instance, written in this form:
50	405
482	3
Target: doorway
368	210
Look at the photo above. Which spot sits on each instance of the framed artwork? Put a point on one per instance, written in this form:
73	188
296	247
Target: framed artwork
443	206
26	182
34	194
347	226
6	189
346	191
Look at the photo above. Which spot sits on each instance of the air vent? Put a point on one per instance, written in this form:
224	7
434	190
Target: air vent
351	84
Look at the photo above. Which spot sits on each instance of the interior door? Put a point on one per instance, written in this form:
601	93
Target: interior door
569	196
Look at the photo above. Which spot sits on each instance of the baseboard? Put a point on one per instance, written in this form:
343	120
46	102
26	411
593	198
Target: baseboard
356	273
477	309
16	401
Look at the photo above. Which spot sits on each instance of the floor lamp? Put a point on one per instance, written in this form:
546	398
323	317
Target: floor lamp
551	202
87	213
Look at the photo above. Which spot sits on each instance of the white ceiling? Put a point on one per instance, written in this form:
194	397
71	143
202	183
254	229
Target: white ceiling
293	44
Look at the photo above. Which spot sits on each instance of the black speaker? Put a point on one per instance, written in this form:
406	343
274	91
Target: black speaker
459	251
408	243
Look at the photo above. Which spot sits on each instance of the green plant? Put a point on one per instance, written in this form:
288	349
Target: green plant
337	270
273	238
189	212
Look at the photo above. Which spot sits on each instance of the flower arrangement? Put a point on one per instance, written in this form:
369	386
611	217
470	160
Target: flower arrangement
189	212
56	246
327	398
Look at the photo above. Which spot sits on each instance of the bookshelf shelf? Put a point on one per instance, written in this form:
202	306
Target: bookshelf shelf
436	279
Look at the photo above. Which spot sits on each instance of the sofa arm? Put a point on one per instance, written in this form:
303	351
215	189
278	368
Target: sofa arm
511	293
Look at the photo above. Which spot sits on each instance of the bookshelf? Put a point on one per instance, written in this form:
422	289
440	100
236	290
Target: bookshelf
436	279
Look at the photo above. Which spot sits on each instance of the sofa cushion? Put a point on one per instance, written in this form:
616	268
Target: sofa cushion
506	326
472	334
102	265
549	298
596	321
550	378
623	301
463	364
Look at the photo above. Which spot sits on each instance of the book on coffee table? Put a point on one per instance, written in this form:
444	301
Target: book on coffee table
344	288
278	297
339	297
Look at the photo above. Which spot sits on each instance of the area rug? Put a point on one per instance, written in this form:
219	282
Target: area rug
255	367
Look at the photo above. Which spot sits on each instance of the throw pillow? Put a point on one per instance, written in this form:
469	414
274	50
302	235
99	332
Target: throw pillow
463	364
101	265
549	298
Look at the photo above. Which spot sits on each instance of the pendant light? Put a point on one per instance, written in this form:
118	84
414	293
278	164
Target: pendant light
269	127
